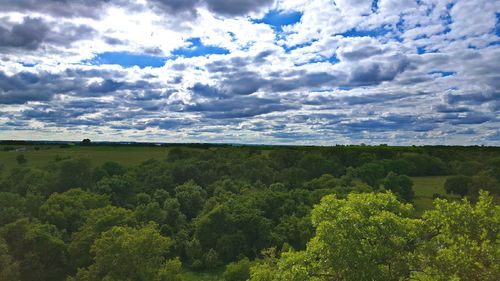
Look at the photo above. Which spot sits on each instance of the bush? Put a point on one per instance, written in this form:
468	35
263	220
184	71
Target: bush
237	271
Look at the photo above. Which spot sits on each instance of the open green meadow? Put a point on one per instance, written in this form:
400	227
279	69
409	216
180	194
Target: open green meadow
39	156
425	188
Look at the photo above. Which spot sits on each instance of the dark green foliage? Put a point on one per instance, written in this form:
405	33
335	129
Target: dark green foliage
399	184
38	248
121	189
72	173
191	198
458	185
370	173
21	159
113	169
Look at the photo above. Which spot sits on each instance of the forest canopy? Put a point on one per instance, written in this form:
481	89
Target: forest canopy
250	213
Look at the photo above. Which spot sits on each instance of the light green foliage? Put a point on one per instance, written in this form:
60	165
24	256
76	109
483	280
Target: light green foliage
67	210
364	237
9	268
463	241
130	254
97	221
170	271
237	271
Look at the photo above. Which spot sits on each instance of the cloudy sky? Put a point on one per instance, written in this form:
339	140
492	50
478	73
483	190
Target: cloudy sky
319	72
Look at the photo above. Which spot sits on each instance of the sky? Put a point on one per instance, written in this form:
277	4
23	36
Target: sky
314	72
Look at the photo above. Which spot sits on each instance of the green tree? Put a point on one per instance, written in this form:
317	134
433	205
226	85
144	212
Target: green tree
39	248
21	159
364	237
399	184
191	198
113	169
121	189
9	268
370	173
67	210
458	185
463	241
12	207
237	271
72	173
97	221
130	254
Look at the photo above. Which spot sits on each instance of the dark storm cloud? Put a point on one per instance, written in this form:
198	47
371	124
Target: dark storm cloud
374	73
238	81
106	86
169	123
237	7
26	86
472	98
237	107
442	108
176	6
220	7
61	8
23	87
242	83
359	53
467	118
389	123
313	79
205	90
29	34
66	34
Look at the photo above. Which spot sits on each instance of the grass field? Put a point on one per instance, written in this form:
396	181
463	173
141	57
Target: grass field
125	155
425	187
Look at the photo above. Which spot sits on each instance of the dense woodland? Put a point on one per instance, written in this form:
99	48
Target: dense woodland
252	213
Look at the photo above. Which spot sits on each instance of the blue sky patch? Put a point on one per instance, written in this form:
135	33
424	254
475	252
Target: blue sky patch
28	64
197	49
377	32
277	19
443	73
127	59
374	6
333	60
497	25
298	46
